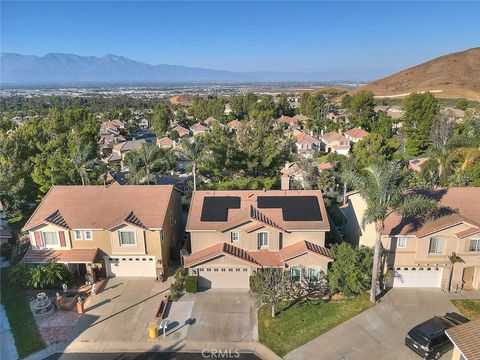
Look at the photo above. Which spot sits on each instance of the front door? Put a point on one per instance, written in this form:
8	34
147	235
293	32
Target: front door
468	274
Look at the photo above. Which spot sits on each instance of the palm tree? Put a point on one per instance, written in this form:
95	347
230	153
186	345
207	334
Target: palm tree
454	258
83	163
135	170
382	186
150	157
193	152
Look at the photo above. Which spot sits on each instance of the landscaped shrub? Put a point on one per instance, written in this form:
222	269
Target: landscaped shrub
254	283
46	276
191	284
178	286
19	250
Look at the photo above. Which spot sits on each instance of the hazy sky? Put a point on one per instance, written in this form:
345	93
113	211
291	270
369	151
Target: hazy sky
282	36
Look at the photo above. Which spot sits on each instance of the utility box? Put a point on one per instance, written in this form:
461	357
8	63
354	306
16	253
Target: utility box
152	331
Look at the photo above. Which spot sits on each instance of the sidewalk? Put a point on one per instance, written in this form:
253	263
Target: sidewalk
8	350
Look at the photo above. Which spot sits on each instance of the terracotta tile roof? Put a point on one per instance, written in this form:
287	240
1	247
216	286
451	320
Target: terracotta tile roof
416	164
290	168
304	138
61	256
198	128
234	124
300	117
181	131
357	133
467	232
456	205
97	207
129	145
56	218
134	220
301	248
211	120
249	198
218	250
467	338
326	166
335	137
165	142
260	258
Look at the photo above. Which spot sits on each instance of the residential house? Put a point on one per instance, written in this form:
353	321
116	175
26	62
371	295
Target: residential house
355	135
111	133
182	132
335	142
419	247
234	125
300	118
416	164
144	134
306	144
210	121
198	129
119	151
166	143
100	231
5	235
234	233
3	214
228	109
466	340
144	123
292	173
395	112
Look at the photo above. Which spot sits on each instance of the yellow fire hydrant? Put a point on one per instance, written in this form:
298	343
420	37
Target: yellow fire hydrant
152	330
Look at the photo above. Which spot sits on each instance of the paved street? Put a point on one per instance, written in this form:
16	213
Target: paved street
378	333
148	356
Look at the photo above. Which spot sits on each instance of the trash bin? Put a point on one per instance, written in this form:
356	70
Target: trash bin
80	306
152	331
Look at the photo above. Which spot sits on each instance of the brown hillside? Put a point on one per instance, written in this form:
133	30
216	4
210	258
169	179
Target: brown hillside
454	75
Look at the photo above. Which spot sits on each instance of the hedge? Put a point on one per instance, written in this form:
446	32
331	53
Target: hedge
191	284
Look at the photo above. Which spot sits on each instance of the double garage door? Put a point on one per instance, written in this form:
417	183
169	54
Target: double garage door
418	277
140	266
223	277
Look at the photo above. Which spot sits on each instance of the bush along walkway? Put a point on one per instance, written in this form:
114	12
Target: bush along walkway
24	329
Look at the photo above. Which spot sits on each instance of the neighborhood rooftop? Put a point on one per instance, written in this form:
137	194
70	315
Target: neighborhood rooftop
100	207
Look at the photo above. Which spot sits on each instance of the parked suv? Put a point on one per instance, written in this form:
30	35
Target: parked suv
429	340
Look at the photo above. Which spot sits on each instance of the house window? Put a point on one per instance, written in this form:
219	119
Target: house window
50	238
88	235
474	245
436	245
262	240
161	236
401	242
126	237
78	235
295	274
313	275
171	217
235	236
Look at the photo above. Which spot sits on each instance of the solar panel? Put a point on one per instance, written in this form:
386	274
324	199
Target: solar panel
215	208
294	208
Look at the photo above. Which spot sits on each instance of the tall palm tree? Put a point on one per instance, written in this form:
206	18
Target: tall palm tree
132	163
454	258
382	186
150	157
193	152
83	163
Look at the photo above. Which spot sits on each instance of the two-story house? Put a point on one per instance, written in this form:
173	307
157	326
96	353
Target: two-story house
306	144
232	233
419	247
336	143
107	231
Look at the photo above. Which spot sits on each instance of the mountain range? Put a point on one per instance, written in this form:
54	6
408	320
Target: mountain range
456	75
69	69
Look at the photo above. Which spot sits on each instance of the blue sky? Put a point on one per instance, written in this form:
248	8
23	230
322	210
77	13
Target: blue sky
373	37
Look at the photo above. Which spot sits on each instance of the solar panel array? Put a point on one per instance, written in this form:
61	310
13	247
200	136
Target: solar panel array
294	208
215	208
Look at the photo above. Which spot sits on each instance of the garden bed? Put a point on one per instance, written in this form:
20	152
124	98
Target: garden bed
469	308
305	320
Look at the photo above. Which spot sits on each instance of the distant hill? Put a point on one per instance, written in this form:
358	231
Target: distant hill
69	69
455	75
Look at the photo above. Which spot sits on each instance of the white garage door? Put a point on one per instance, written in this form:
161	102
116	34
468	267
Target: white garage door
130	266
223	278
418	277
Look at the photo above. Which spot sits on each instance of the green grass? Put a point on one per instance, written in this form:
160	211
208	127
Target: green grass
469	308
305	321
25	331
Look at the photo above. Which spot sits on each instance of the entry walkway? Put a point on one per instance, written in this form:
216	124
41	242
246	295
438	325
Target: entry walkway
8	350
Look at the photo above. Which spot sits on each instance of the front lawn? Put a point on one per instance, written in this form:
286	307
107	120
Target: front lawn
25	331
469	308
305	321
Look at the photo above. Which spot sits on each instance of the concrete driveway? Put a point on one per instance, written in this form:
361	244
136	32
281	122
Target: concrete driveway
379	332
223	316
121	312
